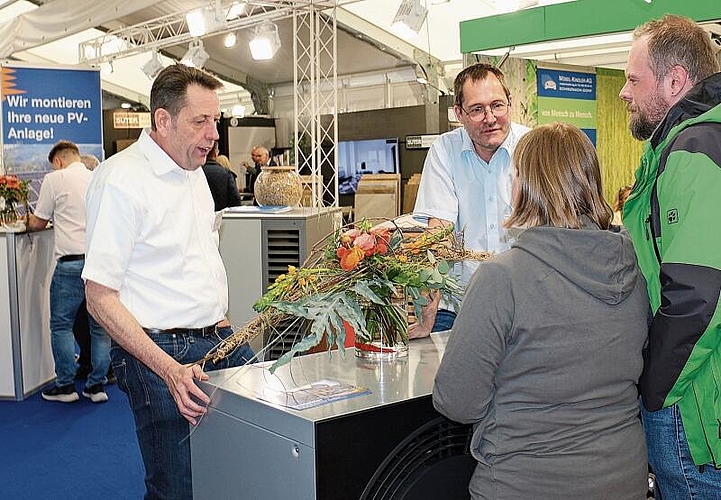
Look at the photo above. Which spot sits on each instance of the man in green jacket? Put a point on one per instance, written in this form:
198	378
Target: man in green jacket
673	94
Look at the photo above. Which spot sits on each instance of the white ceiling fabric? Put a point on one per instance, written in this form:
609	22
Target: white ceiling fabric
59	19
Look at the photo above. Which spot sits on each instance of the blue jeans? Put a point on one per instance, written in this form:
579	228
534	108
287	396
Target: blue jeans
668	454
161	429
67	292
444	320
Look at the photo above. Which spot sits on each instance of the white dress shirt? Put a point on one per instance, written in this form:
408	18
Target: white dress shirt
152	235
62	200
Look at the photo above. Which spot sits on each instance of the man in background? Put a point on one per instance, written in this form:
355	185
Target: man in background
90	161
81	326
154	276
467	175
61	200
221	182
673	95
261	158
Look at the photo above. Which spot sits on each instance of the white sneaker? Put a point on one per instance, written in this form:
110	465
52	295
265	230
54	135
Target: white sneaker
64	394
96	393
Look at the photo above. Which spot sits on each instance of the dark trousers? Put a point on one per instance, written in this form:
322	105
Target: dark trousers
81	332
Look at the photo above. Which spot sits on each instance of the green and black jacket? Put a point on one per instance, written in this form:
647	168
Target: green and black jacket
674	217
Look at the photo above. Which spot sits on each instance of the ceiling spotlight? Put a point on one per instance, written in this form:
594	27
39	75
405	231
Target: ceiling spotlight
230	40
235	11
266	42
196	23
196	55
205	20
126	105
153	66
238	111
409	18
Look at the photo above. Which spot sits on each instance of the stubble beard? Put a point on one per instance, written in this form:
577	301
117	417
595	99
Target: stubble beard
644	122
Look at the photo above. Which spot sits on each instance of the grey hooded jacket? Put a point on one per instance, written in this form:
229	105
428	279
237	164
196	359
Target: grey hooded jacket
544	359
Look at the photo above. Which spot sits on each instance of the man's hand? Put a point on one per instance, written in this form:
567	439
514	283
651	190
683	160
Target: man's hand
421	329
105	306
190	399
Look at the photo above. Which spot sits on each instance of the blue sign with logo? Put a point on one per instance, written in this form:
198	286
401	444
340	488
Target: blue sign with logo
566	84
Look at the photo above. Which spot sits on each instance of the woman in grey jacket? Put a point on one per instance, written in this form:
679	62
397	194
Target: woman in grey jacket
546	351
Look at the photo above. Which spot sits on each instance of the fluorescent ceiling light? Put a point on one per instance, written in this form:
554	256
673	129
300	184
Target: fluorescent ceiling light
230	40
410	17
534	50
126	105
153	66
266	42
196	55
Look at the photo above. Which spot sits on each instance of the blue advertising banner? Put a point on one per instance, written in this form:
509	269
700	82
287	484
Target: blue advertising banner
567	96
41	106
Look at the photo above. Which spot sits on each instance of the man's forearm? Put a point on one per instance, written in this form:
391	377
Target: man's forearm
434	222
105	306
36	223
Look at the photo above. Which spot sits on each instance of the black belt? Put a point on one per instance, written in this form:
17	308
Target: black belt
206	330
69	258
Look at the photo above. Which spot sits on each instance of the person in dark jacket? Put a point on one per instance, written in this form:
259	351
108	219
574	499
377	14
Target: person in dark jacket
221	182
673	94
545	354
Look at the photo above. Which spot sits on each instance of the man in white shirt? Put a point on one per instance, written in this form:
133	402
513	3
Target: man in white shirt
62	200
154	276
467	174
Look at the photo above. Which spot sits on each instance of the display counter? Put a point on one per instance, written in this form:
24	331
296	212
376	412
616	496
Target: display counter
26	267
258	247
389	443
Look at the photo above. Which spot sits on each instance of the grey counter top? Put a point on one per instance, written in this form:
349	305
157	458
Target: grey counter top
246	390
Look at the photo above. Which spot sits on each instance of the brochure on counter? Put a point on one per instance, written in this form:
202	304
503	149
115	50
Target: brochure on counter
315	394
265	209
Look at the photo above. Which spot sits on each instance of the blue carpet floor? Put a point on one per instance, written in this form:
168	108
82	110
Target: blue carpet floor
68	451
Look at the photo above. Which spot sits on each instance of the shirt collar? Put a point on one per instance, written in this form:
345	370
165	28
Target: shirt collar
76	164
467	146
159	160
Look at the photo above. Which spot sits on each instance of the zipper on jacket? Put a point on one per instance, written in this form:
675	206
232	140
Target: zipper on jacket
648	227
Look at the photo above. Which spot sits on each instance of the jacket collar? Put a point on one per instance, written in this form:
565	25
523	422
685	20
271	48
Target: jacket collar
705	95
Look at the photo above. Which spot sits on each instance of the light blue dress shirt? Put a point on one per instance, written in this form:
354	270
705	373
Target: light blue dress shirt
458	186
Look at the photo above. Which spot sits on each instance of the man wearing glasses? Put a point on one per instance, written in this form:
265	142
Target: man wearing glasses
467	175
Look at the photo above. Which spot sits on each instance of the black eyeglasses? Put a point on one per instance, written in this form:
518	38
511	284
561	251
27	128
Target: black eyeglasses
478	113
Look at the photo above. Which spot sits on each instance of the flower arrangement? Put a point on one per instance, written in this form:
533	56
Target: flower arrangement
12	189
356	278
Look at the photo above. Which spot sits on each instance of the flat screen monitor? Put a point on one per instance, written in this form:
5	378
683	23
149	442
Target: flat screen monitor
355	158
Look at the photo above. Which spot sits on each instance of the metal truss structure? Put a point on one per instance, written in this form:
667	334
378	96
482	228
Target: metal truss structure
315	75
315	81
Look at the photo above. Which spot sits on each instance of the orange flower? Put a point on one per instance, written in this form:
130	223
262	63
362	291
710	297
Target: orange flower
13	182
350	257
